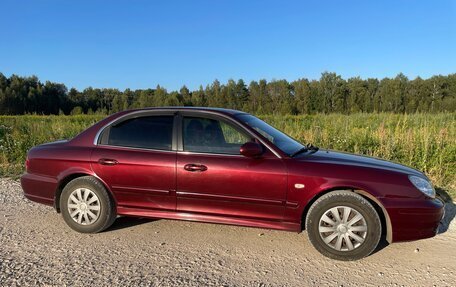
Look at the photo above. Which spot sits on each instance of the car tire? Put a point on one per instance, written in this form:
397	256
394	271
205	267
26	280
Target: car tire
343	225
86	205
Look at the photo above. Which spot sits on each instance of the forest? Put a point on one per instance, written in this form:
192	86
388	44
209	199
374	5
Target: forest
329	94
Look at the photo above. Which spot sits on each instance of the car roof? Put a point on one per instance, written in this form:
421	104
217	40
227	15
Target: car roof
183	108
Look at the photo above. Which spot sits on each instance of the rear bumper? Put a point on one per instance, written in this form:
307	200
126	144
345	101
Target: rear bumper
39	188
415	219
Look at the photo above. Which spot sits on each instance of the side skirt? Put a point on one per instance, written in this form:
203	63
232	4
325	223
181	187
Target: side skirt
198	217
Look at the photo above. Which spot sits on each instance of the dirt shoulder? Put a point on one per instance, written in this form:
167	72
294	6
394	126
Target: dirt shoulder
36	247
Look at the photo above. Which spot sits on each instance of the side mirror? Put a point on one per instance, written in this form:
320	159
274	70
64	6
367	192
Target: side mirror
251	149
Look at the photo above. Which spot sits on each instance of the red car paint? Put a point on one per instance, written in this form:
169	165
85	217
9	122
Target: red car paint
271	191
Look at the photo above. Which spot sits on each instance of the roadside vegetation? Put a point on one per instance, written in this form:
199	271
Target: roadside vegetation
423	141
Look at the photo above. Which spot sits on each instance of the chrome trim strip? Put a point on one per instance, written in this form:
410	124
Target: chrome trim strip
97	135
170	151
137	148
208	153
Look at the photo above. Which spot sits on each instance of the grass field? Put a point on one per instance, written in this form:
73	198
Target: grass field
423	141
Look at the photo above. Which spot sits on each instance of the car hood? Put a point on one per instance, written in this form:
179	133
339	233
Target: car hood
342	158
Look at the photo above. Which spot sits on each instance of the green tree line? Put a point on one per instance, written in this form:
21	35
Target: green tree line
329	94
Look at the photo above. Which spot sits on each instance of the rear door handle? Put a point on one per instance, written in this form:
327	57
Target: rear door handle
195	167
107	161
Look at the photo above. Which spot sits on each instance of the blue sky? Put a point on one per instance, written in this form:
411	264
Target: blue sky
139	44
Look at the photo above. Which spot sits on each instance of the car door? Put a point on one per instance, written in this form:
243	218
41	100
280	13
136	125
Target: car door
214	178
136	158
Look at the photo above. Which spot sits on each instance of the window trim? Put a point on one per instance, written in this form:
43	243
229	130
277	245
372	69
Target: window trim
135	148
208	153
177	128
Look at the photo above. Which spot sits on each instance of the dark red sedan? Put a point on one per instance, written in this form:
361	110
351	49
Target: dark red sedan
227	166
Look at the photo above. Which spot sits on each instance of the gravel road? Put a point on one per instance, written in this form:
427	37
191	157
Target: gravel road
37	248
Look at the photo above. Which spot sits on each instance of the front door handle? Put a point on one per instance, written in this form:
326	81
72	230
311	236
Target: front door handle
107	161
195	167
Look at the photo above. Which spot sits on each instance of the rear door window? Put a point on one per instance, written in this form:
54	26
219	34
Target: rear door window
153	132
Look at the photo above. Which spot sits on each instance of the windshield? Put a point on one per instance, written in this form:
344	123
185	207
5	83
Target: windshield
285	143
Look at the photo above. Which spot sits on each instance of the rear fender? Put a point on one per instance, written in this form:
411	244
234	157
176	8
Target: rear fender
68	175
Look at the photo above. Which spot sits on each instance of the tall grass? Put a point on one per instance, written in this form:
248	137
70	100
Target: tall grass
20	133
423	141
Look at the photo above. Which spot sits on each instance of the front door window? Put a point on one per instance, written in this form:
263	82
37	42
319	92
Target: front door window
212	136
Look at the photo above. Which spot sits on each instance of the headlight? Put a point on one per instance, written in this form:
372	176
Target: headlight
423	185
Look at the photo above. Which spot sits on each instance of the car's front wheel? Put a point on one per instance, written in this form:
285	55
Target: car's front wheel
86	205
343	225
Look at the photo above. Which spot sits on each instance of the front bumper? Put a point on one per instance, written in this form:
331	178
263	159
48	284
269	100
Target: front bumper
414	219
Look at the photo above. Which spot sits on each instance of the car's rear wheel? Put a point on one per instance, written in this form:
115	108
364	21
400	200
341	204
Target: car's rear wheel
343	225
86	205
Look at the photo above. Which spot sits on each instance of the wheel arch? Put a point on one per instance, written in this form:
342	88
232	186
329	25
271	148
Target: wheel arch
382	212
69	177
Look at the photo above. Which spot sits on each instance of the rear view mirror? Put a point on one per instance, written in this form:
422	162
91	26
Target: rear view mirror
251	149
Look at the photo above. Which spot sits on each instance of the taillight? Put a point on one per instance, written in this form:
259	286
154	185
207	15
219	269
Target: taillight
27	162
